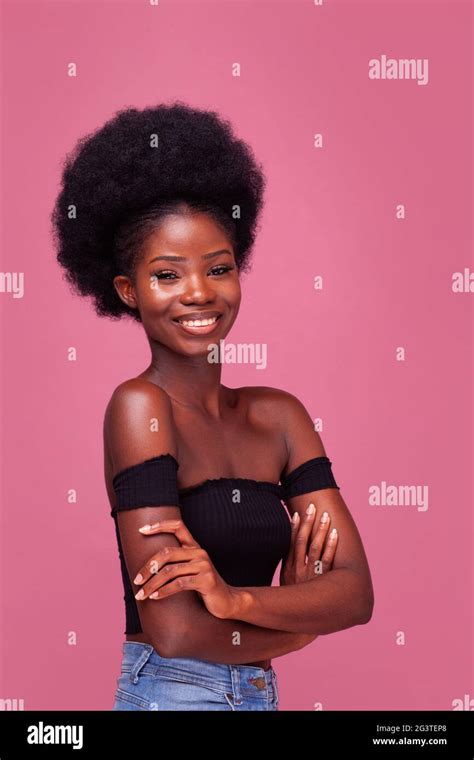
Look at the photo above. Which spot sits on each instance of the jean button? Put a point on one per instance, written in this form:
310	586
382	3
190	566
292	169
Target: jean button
259	682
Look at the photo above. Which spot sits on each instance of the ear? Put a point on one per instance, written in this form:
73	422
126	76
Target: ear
126	291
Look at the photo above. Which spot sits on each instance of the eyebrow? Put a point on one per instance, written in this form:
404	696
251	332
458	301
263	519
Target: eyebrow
183	258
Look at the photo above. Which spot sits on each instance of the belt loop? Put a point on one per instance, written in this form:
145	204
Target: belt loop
235	676
276	696
145	655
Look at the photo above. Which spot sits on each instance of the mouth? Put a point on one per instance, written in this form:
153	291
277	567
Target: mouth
202	325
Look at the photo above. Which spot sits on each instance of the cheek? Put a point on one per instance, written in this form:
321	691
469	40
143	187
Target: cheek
155	298
154	305
233	293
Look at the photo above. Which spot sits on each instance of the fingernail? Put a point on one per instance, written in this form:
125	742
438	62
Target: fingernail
295	518
310	510
333	533
138	579
154	595
144	528
140	594
325	517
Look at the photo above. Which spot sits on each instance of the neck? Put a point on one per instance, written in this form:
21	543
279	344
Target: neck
188	380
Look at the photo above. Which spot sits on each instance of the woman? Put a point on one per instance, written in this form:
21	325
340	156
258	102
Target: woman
156	220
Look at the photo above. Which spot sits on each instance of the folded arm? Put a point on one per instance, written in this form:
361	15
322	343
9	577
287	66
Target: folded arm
336	600
179	626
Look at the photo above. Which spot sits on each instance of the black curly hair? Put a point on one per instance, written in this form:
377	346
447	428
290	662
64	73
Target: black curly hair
119	181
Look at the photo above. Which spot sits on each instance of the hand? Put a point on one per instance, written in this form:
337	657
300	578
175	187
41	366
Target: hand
308	537
190	566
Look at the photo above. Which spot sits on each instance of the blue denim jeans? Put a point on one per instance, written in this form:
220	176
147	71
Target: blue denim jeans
150	682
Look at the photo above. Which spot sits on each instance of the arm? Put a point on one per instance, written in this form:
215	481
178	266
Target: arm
340	598
179	626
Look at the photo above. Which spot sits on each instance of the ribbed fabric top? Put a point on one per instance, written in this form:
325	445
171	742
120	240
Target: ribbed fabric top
240	522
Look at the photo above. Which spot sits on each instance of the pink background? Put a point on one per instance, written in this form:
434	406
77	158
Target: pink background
329	212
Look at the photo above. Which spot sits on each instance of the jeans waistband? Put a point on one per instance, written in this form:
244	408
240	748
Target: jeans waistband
140	658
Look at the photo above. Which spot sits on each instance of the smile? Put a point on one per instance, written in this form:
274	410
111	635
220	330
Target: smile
198	326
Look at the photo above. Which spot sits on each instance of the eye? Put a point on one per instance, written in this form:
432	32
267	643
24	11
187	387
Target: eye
164	274
167	274
221	269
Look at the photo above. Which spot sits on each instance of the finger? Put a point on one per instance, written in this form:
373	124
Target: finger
295	523
166	554
289	560
180	576
330	550
324	520
170	526
301	541
324	564
318	537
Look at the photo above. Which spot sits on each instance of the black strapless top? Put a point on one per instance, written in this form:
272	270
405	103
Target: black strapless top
241	523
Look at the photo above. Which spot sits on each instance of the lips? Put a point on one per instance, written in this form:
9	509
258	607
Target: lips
198	315
198	323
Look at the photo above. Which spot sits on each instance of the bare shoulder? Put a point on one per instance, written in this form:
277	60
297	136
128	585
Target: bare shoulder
135	396
138	423
263	395
289	416
275	401
136	389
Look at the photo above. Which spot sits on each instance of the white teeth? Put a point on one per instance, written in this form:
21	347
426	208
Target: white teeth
198	322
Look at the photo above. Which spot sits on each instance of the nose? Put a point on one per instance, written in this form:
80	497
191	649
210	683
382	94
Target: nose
197	289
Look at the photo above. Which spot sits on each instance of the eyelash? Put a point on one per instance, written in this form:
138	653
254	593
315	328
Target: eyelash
222	267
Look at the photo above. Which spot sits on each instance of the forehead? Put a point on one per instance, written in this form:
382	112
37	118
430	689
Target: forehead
195	233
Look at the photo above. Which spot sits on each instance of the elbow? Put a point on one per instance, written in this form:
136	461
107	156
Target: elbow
365	618
365	608
163	648
180	635
173	645
166	647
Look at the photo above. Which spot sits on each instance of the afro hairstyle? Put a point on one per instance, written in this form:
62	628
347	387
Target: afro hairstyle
119	181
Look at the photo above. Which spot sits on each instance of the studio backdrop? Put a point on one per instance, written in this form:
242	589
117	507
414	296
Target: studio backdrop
358	302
